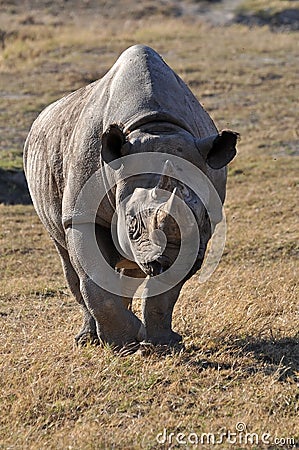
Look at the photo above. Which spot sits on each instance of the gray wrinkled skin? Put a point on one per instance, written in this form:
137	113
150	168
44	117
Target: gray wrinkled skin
140	105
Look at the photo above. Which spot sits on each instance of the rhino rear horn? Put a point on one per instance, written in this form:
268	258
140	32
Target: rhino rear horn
172	207
218	150
168	177
113	141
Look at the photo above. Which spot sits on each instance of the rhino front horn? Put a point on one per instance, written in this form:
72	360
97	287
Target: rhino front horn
168	207
173	207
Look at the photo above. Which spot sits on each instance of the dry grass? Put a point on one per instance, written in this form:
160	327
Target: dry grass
272	6
241	361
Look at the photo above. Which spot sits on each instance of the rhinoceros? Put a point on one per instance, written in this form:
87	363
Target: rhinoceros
142	115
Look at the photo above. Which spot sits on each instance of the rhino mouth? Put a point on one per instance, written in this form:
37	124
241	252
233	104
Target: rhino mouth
156	267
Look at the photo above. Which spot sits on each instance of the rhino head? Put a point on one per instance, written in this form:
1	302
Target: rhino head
155	211
152	231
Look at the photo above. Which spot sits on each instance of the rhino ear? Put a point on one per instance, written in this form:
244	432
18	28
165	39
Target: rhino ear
223	149
113	141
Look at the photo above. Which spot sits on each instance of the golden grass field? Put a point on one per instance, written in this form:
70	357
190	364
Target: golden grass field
240	364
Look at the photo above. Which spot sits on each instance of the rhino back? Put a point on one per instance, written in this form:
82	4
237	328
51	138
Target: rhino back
142	87
63	147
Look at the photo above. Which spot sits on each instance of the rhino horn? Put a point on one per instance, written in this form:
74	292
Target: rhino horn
219	149
168	181
169	205
172	207
169	214
168	208
168	177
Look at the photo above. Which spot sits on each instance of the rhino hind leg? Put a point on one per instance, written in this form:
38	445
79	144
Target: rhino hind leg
157	316
88	332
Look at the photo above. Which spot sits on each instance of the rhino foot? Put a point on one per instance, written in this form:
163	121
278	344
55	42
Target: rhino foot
128	349
84	338
169	337
88	333
148	349
126	337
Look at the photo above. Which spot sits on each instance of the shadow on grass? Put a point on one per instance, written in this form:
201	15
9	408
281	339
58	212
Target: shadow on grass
273	357
13	188
278	358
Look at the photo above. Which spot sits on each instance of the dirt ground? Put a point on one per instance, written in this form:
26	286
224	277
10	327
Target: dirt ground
239	368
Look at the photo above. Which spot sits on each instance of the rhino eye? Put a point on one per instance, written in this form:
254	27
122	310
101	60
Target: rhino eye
134	229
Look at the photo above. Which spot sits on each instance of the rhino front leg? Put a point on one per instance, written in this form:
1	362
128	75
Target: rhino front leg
115	324
88	332
157	316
